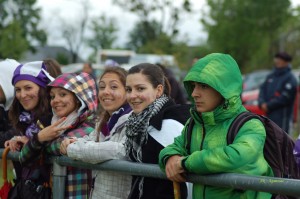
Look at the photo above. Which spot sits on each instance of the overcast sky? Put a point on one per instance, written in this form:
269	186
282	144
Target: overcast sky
70	9
55	10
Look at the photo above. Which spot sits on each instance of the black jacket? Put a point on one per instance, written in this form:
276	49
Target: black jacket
154	187
278	92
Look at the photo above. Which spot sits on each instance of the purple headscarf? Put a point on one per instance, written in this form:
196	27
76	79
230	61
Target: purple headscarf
32	71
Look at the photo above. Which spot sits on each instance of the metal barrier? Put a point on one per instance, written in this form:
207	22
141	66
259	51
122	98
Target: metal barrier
238	181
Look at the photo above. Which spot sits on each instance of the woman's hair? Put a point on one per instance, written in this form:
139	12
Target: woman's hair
53	67
104	115
41	110
154	74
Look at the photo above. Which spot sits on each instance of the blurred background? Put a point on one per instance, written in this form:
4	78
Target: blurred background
173	33
76	30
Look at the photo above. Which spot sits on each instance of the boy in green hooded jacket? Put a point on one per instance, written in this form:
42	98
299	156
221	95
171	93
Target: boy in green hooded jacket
214	86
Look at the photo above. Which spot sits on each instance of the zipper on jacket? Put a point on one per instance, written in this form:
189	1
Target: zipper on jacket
203	134
201	147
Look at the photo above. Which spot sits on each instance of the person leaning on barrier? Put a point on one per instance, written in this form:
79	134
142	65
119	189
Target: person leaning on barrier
30	104
107	141
74	103
152	125
214	85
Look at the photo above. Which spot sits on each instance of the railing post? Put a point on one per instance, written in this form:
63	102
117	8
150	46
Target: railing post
59	180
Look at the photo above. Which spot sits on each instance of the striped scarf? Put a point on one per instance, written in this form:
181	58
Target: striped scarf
137	134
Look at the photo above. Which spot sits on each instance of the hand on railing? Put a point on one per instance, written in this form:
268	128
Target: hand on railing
174	170
16	142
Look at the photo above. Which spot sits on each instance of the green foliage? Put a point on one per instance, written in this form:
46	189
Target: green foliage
289	39
104	33
21	16
157	34
13	44
143	34
246	29
62	58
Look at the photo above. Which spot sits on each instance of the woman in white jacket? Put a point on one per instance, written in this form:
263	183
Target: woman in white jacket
107	141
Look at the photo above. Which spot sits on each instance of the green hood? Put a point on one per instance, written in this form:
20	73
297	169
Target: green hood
219	71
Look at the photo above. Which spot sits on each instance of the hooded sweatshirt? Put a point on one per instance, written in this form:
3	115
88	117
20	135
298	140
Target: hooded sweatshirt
209	152
79	181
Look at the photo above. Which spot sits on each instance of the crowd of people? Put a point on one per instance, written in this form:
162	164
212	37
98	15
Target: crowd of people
139	115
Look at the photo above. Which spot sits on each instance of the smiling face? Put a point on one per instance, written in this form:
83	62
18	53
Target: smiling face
140	92
63	102
112	93
27	94
206	98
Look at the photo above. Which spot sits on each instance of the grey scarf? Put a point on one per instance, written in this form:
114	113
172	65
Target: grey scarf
137	134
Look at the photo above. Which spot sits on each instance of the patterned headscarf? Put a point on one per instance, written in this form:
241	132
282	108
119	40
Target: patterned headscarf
137	134
82	85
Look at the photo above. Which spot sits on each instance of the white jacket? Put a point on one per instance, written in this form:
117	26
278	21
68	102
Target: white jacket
108	184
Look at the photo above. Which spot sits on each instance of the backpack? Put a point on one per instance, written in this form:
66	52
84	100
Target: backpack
278	148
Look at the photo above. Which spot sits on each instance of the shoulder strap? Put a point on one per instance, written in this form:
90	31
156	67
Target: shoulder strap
233	130
237	123
189	132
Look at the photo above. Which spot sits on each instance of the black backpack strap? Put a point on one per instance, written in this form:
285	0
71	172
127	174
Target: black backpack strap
189	132
237	123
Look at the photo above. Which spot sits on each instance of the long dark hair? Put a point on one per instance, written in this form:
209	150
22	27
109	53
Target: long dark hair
104	115
154	74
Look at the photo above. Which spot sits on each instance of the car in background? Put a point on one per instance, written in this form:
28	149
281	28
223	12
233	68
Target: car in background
251	84
253	80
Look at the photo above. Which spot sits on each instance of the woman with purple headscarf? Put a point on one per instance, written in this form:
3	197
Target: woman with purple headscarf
29	113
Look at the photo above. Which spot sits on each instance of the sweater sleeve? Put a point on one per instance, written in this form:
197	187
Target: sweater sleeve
31	150
247	146
96	152
53	147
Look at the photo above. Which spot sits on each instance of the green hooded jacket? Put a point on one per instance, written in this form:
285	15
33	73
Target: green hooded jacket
209	152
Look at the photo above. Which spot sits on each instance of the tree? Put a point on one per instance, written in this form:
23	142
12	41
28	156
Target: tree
289	38
143	32
13	44
156	30
246	29
145	10
19	24
74	33
103	34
